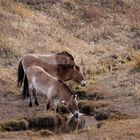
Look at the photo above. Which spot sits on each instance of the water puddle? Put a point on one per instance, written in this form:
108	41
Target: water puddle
81	122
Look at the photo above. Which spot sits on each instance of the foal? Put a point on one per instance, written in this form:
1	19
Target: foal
39	81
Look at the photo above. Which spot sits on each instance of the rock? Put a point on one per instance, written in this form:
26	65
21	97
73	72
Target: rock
88	109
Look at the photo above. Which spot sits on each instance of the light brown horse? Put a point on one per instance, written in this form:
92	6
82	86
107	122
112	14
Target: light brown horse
60	65
39	81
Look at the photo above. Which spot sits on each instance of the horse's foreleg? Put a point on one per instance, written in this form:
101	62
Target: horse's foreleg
55	101
36	100
47	104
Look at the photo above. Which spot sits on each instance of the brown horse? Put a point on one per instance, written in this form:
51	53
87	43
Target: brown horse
39	81
61	66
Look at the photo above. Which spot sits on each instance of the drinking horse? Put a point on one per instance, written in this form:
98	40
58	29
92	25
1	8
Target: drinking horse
60	65
39	81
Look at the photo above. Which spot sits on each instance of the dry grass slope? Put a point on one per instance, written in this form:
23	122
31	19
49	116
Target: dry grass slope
103	35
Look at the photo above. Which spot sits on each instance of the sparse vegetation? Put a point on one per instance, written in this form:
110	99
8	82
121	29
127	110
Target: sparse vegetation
137	60
103	37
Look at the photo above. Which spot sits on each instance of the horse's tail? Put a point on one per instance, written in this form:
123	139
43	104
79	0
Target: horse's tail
25	92
20	74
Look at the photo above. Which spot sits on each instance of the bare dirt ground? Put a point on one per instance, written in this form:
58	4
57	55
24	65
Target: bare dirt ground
115	95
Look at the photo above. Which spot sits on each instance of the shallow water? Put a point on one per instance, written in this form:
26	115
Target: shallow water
81	122
90	121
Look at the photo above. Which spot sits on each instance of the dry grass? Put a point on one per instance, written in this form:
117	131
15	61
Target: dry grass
125	129
8	80
70	25
103	36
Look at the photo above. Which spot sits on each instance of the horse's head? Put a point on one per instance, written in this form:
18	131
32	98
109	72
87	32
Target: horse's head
73	105
78	76
65	58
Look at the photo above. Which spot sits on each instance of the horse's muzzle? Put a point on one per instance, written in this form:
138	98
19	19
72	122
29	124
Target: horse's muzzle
83	83
76	114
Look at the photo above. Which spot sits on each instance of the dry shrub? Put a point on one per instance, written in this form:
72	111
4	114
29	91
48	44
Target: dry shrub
14	125
21	11
136	63
69	4
16	8
92	13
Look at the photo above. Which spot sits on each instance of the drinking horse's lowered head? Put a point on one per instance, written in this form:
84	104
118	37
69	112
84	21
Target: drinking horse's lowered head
39	81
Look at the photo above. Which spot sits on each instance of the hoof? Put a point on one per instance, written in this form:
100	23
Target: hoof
57	110
48	106
36	103
30	105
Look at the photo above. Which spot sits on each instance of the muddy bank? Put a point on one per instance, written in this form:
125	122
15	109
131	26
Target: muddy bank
49	123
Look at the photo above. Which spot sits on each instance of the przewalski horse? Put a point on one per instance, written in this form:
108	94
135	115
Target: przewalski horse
39	81
60	65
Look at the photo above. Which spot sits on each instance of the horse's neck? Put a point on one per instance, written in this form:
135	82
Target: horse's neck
66	98
66	92
65	75
68	75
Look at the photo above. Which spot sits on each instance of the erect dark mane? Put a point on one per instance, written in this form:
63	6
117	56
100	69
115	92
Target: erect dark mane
63	69
66	66
66	86
66	54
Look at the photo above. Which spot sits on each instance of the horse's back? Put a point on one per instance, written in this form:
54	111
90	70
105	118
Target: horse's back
29	60
40	74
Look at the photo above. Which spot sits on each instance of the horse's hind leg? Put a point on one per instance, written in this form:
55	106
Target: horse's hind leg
36	100
47	104
30	102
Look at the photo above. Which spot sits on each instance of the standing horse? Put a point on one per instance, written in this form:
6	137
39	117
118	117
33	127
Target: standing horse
61	66
61	58
39	81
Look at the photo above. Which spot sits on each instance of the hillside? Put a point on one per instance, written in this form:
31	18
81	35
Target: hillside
104	38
